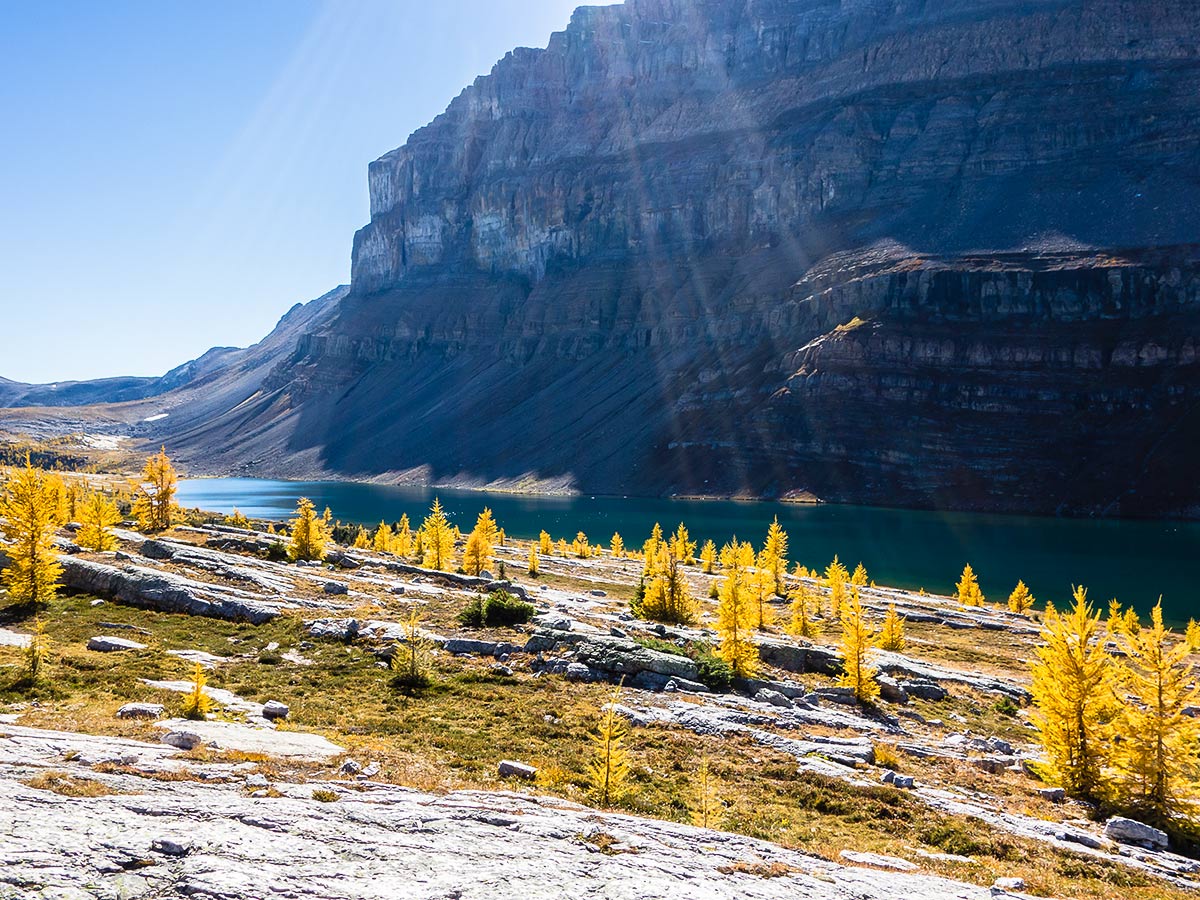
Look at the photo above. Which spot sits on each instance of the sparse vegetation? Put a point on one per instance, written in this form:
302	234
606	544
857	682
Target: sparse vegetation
497	609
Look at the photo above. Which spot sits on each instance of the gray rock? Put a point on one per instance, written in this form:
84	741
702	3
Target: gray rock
335	588
616	657
464	646
842	695
904	781
891	690
774	698
273	709
577	671
1053	794
334	629
924	690
350	767
1131	831
878	861
510	769
370	771
256	782
110	644
141	711
184	740
501	670
1008	884
171	847
888	777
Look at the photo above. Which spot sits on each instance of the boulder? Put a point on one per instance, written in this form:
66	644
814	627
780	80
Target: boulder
1053	794
335	588
141	711
1131	831
109	644
577	671
774	698
333	629
510	769
616	657
924	689
273	709
184	740
463	646
891	690
797	658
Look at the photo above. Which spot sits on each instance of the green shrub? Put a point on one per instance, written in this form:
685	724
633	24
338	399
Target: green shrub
496	609
277	551
712	671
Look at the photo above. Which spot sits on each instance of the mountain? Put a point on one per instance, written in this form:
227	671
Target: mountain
921	252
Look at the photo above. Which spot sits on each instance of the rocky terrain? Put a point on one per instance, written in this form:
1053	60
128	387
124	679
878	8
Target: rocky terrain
317	778
937	254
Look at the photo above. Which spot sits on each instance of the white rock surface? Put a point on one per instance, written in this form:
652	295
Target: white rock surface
175	839
298	745
13	638
106	643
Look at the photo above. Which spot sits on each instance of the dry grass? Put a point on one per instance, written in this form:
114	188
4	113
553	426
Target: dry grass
69	785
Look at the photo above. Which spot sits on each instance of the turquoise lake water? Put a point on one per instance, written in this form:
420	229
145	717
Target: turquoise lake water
1132	560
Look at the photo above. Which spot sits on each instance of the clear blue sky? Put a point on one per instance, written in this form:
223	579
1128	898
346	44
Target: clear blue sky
175	175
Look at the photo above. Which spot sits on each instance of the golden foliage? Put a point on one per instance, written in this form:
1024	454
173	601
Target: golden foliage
1021	600
857	640
708	557
616	546
196	703
836	577
544	544
891	633
667	597
534	569
154	496
1072	695
736	615
30	509
309	534
774	556
97	515
802	605
608	771
707	813
383	539
477	553
410	660
968	590
438	539
37	654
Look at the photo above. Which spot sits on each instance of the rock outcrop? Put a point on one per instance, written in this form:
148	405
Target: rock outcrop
193	838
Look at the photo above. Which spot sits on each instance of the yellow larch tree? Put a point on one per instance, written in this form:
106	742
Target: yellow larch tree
1021	600
761	582
97	516
477	554
361	539
237	519
802	604
485	524
708	557
650	549
544	544
534	568
968	590
667	597
836	577
37	652
616	546
309	534
683	546
402	543
736	615
859	578
438	539
30	509
561	547
154	496
197	704
383	539
1130	623
1191	637
774	556
707	813
608	770
1073	697
1156	756
857	640
581	547
891	632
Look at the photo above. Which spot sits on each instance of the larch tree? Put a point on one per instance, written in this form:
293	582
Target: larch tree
968	590
859	578
581	547
650	548
154	496
707	813
857	640
309	535
1073	696
774	556
1021	600
237	519
802	603
97	516
384	539
683	546
561	547
708	557
736	615
534	568
761	582
402	543
1156	756
545	546
477	554
891	632
30	509
1191	637
197	703
836	577
608	771
37	652
666	597
616	546
438	538
361	540
485	524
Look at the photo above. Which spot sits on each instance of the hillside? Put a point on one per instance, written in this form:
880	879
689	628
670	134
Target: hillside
938	254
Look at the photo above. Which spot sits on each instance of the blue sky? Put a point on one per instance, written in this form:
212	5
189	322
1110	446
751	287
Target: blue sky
176	175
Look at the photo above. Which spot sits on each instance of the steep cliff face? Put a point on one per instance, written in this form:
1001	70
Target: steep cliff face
622	261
